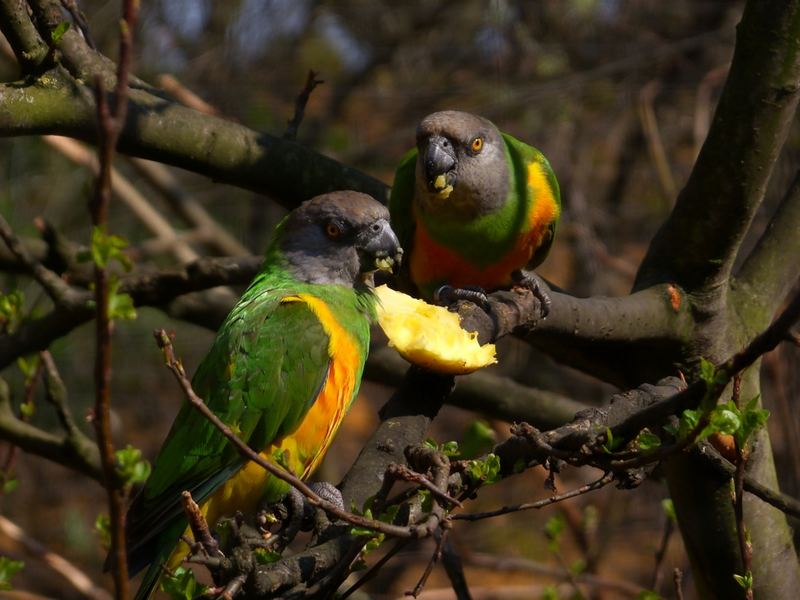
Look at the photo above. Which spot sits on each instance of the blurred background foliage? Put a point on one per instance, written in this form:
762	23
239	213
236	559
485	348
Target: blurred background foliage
618	94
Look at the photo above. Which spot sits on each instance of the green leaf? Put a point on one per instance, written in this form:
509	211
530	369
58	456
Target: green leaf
746	580
28	365
725	419
59	31
486	471
550	593
107	247
688	423
265	556
647	595
102	525
553	530
478	439
648	441
27	408
181	585
11	306
449	449
9	485
612	443
669	509
577	567
120	304
708	371
9	568
131	467
753	419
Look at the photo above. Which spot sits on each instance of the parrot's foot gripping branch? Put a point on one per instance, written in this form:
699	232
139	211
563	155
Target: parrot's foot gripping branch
447	295
530	281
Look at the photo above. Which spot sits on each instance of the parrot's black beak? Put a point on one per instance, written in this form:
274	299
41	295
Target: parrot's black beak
439	160
379	248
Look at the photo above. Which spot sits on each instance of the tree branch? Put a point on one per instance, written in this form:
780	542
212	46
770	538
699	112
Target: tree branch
21	34
768	273
166	132
730	176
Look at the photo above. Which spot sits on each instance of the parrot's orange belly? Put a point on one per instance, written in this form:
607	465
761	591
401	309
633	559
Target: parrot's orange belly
433	264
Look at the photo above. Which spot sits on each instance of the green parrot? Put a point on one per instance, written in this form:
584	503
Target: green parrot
473	207
282	372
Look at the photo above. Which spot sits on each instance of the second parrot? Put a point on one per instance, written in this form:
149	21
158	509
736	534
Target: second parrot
473	207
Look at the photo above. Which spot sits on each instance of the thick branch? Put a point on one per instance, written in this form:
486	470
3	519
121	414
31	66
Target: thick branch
21	34
697	245
169	133
769	272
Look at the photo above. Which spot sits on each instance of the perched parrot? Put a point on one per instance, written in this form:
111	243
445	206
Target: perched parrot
282	372
473	207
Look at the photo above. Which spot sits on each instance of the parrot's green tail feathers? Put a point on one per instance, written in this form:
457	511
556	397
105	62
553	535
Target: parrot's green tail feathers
150	581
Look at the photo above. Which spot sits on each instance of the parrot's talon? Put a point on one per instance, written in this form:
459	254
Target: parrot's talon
446	295
530	281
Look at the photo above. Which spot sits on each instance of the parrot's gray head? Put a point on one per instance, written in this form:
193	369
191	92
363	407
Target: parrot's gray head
462	169
339	238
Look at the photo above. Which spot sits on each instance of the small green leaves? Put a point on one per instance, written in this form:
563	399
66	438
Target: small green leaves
181	585
59	31
9	485
478	438
647	595
449	449
611	442
265	556
120	304
553	530
132	468
647	441
669	509
746	580
486	471
11	310
102	525
107	247
8	568
752	419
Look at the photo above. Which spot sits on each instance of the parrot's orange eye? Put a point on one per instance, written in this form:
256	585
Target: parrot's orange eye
333	230
477	144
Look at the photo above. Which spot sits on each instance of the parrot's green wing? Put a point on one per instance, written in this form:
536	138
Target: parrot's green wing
542	187
401	205
263	373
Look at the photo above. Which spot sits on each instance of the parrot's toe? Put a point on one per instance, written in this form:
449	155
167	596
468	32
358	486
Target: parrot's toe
328	491
447	295
530	281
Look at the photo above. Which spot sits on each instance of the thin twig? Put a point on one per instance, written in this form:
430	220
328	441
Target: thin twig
111	121
300	105
76	578
595	485
454	568
669	528
55	287
745	548
199	525
375	569
677	579
437	554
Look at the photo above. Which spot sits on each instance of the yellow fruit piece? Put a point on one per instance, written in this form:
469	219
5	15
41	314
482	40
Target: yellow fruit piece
430	336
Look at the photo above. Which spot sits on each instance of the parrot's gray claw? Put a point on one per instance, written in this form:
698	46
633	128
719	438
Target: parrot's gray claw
531	281
328	491
447	295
